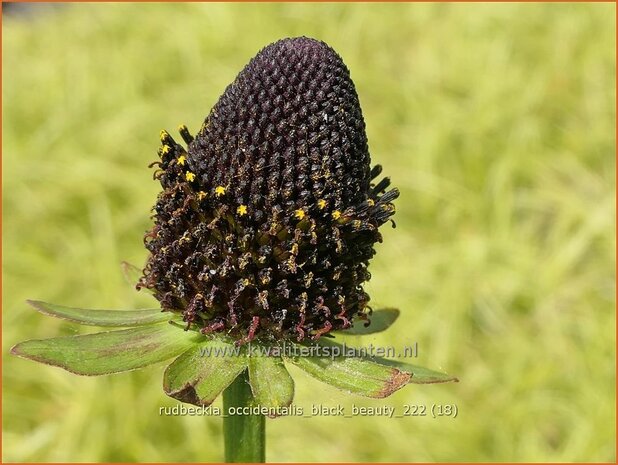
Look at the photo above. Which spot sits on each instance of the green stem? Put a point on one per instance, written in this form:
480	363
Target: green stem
243	434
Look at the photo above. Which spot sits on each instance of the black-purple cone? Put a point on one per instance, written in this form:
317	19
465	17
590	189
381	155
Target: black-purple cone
266	225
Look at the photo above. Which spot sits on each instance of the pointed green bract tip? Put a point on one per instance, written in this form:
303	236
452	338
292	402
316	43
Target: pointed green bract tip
113	318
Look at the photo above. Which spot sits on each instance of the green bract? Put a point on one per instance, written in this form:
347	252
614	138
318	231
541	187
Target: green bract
205	365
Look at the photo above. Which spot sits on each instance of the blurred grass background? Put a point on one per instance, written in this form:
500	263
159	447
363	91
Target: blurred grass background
496	121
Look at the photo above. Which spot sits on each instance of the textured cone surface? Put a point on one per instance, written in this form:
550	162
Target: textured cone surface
267	222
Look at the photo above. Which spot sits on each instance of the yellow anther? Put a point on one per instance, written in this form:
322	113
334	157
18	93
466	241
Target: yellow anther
219	191
181	160
189	176
299	214
336	214
201	195
321	204
242	210
182	127
370	202
166	149
163	135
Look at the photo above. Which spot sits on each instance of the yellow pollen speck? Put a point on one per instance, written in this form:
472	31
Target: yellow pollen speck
163	135
166	149
300	213
242	210
321	204
356	223
336	214
189	176
182	127
370	202
201	195
219	191
181	160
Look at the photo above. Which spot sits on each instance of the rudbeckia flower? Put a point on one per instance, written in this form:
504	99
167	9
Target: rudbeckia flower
260	247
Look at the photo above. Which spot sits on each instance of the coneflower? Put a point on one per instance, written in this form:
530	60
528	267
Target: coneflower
268	220
263	233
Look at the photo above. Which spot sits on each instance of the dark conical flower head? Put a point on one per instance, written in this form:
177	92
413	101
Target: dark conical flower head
267	222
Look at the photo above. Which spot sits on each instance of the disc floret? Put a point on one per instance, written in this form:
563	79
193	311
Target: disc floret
268	218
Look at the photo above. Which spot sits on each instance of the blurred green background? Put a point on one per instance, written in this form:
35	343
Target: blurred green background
496	121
